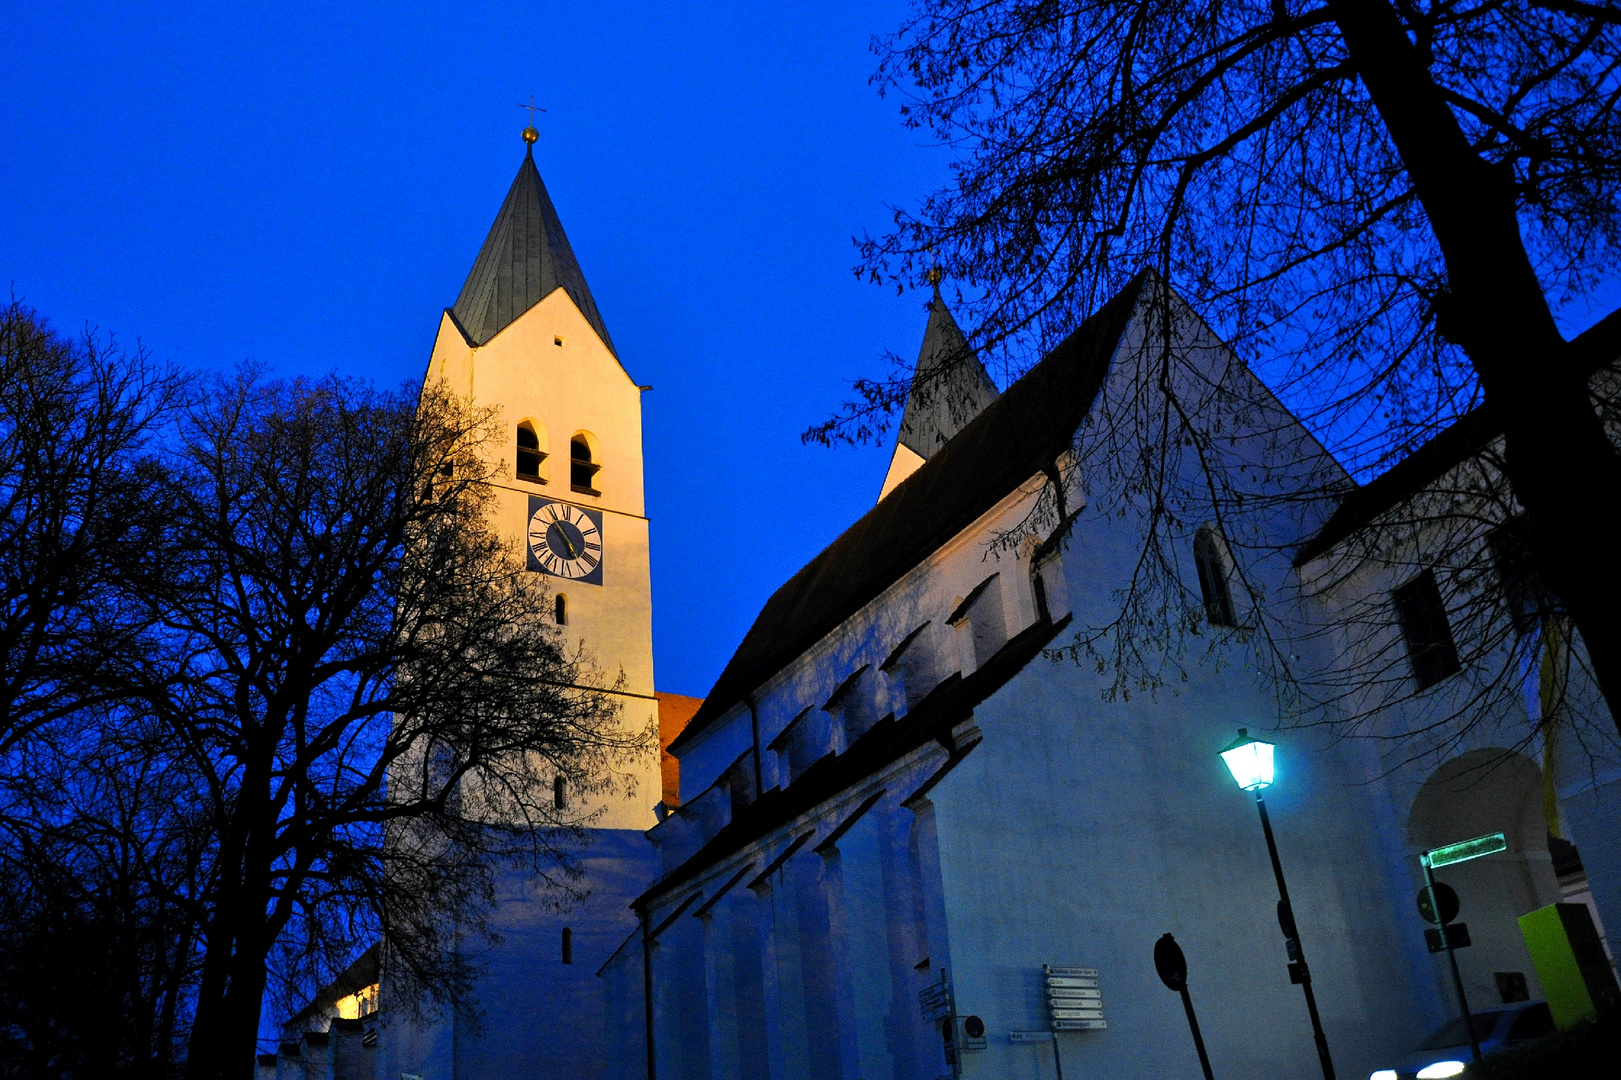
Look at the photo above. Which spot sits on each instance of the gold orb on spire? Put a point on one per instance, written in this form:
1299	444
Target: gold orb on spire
530	135
935	274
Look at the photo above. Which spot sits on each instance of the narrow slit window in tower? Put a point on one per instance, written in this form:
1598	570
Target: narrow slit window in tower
561	607
568	945
559	793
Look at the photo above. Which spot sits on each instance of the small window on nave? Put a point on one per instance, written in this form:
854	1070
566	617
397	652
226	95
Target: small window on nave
1211	561
1422	615
530	454
583	467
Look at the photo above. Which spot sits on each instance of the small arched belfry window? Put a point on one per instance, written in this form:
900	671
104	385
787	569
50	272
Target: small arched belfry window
530	453
1210	556
583	466
560	607
559	793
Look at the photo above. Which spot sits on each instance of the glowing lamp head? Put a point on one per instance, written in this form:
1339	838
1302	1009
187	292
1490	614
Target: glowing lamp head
1383	1074
1440	1070
1250	761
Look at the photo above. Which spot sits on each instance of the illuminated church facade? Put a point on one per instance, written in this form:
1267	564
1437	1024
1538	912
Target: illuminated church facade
898	813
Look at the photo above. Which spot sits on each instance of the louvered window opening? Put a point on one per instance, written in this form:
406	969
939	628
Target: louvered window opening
582	470
530	455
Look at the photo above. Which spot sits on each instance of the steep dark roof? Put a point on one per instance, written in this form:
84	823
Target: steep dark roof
524	258
887	741
949	386
1016	436
1471	433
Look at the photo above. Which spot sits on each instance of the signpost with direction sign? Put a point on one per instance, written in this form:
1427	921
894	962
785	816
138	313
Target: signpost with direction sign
1439	905
1074	1003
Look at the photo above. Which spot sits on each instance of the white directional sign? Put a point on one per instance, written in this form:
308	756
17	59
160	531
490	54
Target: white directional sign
1074	999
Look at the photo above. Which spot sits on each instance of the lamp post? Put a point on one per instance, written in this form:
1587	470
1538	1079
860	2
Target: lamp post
1250	762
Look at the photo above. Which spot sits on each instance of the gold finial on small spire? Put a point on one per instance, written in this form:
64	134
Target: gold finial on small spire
529	133
935	275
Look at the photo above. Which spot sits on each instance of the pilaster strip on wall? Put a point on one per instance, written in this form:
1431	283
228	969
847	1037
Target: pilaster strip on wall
940	774
673	916
844	826
776	864
703	908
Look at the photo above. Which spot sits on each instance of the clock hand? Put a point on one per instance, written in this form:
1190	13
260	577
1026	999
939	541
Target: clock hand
568	544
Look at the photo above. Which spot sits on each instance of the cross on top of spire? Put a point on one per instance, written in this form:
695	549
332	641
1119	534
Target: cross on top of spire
529	133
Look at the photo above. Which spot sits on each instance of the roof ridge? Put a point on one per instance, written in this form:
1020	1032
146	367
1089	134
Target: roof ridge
999	449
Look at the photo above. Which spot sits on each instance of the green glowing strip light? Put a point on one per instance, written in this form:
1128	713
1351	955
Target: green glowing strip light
1466	850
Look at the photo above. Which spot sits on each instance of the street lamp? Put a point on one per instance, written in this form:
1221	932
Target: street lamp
1250	762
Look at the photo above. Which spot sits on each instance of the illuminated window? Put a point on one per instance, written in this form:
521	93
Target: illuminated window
362	1002
530	455
583	467
1211	562
561	606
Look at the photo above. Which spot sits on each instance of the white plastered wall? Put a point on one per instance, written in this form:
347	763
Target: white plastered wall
574	386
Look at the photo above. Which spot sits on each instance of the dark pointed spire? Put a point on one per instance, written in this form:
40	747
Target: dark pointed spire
949	385
523	259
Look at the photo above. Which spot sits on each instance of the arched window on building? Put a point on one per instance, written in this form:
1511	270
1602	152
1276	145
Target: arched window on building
583	466
1210	556
559	793
560	605
568	945
530	454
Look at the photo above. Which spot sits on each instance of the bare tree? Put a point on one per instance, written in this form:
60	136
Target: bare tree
358	678
81	501
95	941
100	864
1373	200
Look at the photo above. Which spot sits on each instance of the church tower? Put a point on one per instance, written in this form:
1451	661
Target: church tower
525	338
949	388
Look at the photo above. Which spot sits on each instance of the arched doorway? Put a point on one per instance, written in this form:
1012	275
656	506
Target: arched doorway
1473	794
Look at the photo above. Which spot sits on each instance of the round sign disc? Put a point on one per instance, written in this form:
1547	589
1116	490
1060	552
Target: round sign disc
1443	896
1170	963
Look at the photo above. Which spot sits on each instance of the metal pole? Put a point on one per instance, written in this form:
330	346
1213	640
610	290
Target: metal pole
1058	1062
1452	959
1291	939
1198	1039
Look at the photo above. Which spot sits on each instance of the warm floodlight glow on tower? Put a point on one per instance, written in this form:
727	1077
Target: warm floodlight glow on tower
1250	761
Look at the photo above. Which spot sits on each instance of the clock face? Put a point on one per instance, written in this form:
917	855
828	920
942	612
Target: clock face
565	541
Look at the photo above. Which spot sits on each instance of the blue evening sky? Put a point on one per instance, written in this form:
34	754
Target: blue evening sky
306	186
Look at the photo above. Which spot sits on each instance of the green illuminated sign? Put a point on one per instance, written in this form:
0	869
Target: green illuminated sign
1465	850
